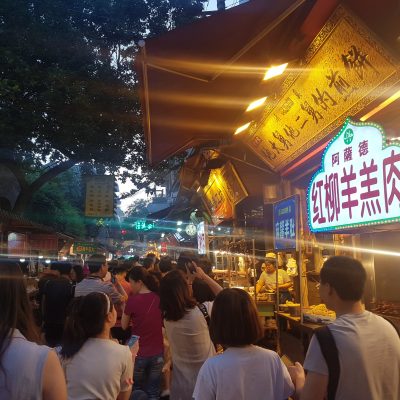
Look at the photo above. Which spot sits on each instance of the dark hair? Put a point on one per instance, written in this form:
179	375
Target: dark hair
205	264
134	258
127	264
148	262
151	255
201	291
120	269
185	260
234	319
175	298
346	275
86	319
165	265
77	268
112	265
139	273
63	267
15	309
53	266
95	262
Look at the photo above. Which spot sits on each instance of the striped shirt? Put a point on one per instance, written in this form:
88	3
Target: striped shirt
96	284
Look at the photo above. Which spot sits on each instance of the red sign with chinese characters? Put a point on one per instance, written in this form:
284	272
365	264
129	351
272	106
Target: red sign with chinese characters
359	183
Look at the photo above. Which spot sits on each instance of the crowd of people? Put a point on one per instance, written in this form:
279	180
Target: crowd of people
131	331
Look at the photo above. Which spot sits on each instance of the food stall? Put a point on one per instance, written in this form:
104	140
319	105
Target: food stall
335	64
352	208
361	213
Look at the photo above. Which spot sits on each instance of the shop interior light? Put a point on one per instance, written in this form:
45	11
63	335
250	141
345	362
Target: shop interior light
179	223
179	230
256	103
381	106
48	261
163	234
22	259
275	71
242	128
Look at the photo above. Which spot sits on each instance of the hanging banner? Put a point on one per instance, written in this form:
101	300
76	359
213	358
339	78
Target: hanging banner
100	196
223	191
202	238
345	69
359	180
285	224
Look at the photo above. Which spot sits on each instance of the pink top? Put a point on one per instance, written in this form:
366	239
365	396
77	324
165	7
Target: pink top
145	314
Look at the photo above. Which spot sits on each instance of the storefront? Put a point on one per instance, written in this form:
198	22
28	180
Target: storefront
338	60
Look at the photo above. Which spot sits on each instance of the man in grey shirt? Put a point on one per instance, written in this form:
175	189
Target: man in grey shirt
98	268
368	345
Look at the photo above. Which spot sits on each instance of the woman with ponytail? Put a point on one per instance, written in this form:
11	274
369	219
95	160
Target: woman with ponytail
95	366
143	310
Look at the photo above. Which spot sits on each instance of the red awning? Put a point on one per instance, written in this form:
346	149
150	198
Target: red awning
196	81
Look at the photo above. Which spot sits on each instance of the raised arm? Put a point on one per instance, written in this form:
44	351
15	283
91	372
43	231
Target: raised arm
53	380
214	286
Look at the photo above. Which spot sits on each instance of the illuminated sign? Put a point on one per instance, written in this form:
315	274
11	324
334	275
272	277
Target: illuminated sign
359	180
143	225
345	69
285	224
100	196
202	238
85	248
223	191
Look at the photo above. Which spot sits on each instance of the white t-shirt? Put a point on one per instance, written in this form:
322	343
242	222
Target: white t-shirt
369	356
100	370
269	280
23	362
190	345
244	373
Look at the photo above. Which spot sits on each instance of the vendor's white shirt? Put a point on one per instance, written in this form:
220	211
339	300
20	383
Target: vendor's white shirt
100	370
244	373
190	345
369	356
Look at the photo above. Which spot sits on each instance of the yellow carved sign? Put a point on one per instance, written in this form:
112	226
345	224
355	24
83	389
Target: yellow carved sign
223	191
345	69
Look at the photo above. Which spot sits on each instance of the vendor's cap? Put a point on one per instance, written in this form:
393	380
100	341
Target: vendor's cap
270	256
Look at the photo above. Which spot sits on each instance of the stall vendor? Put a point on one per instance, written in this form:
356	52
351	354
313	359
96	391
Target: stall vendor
267	279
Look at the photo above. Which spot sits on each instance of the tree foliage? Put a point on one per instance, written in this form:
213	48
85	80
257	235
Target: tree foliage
68	93
59	204
138	208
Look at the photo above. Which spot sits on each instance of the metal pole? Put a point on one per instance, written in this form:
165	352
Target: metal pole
278	333
254	268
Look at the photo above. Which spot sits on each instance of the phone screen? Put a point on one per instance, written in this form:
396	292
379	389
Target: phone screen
132	340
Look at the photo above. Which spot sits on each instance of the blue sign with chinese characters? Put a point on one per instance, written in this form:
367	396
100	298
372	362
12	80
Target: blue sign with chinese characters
285	224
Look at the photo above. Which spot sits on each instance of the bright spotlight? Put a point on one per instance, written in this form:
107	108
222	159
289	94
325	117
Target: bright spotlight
275	71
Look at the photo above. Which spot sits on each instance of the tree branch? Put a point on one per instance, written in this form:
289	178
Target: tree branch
50	174
16	169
